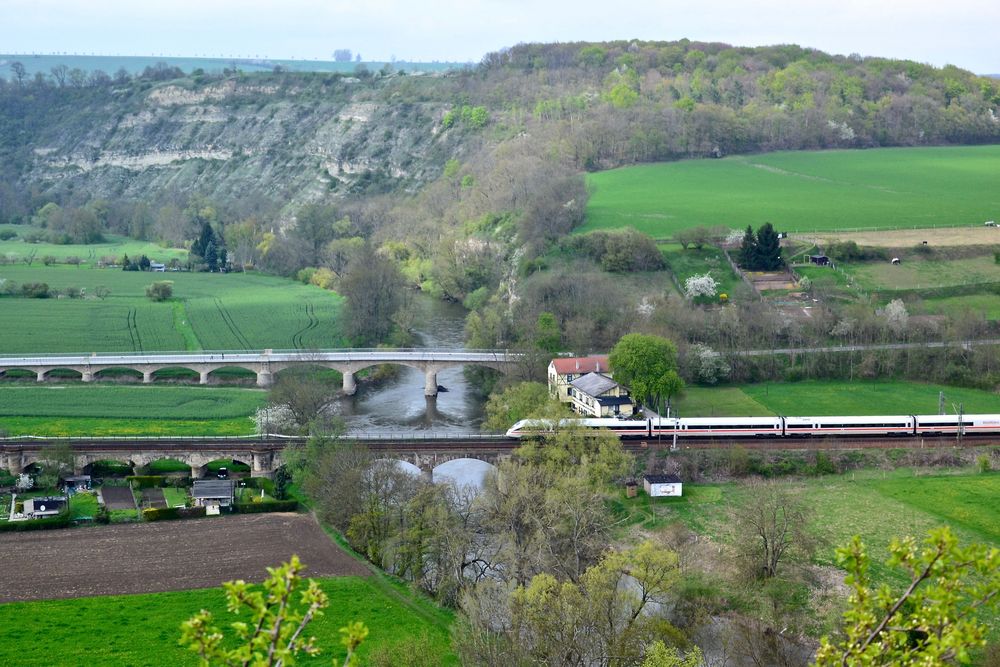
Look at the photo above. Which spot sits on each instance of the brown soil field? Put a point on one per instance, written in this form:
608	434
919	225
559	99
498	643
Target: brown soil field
902	238
118	497
163	556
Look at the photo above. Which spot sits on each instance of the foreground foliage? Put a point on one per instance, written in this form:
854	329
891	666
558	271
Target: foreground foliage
933	621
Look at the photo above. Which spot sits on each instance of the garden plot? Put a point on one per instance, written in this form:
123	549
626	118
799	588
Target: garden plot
118	498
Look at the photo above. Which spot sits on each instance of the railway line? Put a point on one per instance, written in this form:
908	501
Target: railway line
491	443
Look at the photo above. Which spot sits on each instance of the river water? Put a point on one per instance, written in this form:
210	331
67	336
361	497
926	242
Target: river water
398	404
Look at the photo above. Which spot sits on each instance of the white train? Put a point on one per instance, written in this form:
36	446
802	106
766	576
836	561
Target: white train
773	427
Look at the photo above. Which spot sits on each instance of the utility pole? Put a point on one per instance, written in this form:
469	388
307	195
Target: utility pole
960	431
940	402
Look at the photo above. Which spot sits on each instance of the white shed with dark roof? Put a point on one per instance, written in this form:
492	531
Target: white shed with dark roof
212	492
658	486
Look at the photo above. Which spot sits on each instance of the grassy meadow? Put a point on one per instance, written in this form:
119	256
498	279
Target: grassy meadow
925	274
13	250
144	629
208	311
876	505
803	191
102	409
831	397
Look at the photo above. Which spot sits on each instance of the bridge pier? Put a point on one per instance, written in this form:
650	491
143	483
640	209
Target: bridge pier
262	465
40	376
264	378
430	382
87	376
202	377
350	384
147	377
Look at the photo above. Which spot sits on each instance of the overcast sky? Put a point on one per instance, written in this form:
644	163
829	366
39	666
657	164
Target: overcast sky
960	32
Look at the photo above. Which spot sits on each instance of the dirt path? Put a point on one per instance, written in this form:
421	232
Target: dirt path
163	556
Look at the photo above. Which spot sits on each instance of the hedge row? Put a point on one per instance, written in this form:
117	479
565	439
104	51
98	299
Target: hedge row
155	481
60	521
165	513
267	506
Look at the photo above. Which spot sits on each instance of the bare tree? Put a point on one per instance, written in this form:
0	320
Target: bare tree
771	526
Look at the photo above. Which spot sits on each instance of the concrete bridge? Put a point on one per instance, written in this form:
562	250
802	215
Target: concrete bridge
262	455
265	364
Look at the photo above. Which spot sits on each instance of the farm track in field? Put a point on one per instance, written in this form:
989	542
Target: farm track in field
241	340
133	330
297	338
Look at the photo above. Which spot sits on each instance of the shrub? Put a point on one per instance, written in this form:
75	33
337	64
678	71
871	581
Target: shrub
168	513
7	234
983	463
60	521
146	481
161	290
267	506
35	290
48	260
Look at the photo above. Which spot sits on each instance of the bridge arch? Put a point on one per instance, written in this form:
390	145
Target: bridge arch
43	374
463	473
118	372
98	466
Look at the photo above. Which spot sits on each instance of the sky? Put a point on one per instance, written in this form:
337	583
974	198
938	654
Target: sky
958	32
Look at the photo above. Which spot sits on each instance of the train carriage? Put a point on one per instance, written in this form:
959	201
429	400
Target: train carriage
948	424
849	426
730	427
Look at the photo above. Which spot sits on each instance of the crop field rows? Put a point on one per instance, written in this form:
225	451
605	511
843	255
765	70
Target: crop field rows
209	311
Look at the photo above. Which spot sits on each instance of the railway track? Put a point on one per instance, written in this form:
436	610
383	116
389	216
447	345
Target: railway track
497	444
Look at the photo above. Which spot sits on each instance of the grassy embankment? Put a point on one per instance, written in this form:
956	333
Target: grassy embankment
802	191
831	397
208	311
97	410
877	505
144	629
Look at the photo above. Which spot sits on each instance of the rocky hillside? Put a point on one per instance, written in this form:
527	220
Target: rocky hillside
292	139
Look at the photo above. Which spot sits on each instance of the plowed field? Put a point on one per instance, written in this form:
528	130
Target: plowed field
163	556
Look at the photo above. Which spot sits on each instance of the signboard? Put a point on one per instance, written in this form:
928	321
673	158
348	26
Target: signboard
211	510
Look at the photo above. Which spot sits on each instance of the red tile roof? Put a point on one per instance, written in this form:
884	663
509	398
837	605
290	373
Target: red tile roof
595	364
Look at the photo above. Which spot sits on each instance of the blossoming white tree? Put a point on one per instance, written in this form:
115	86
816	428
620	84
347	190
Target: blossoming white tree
700	285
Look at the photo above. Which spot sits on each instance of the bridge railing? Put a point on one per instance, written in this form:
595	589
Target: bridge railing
382	436
254	353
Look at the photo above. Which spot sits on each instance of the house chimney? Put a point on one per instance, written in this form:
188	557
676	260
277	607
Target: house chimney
577	364
598	366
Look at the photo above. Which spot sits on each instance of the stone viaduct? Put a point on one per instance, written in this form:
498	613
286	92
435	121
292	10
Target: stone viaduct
265	364
263	456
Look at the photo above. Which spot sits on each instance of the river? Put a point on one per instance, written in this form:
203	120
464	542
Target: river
398	404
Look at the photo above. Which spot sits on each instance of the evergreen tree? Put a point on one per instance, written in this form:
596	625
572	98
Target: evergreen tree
747	257
768	251
211	256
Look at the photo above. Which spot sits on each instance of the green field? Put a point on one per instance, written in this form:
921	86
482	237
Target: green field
144	629
981	305
101	409
803	191
209	311
917	274
875	505
15	249
830	397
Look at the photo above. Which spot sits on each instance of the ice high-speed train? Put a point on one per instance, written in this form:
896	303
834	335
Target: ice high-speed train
773	427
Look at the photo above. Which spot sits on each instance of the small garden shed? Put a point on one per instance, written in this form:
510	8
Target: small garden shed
212	492
662	485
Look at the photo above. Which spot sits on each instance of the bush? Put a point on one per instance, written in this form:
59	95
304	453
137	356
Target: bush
983	463
35	290
267	506
146	481
168	513
7	234
60	521
161	290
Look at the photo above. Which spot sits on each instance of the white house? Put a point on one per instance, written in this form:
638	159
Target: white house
596	395
564	370
662	485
